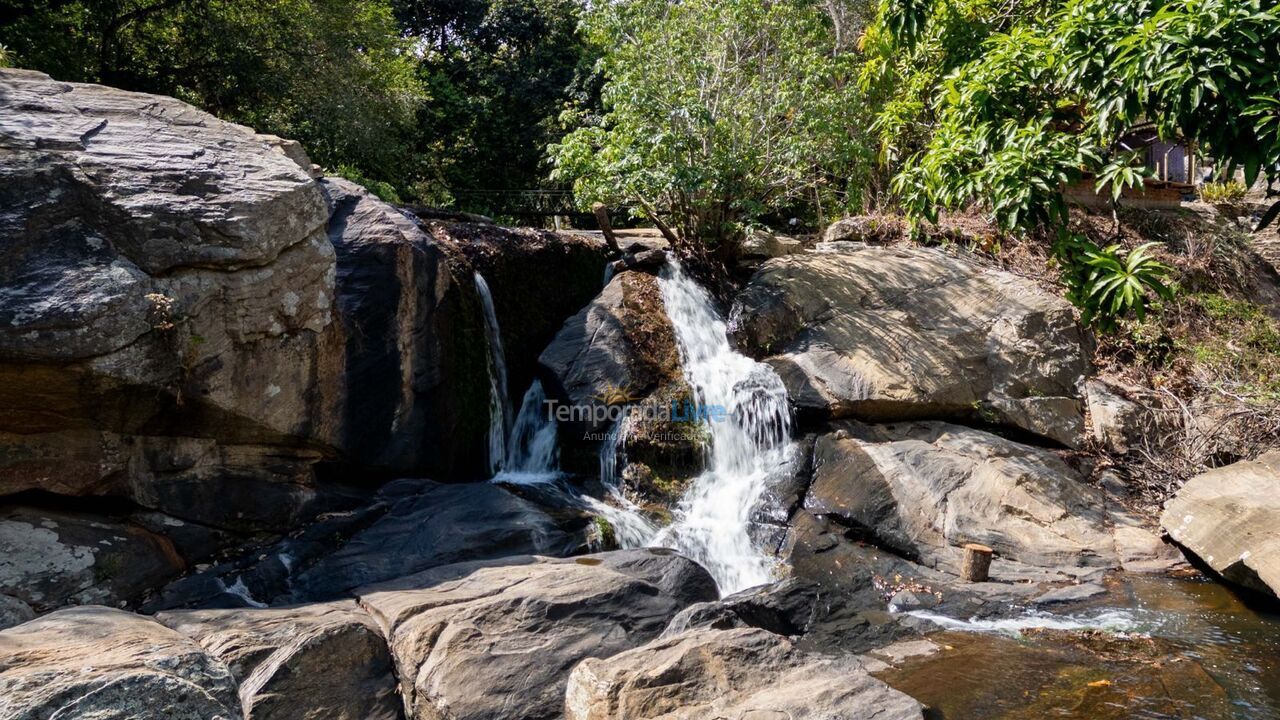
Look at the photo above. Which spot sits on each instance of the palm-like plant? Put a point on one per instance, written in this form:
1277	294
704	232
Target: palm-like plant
1121	283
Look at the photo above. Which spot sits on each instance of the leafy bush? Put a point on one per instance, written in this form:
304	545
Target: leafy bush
1119	284
385	191
1224	192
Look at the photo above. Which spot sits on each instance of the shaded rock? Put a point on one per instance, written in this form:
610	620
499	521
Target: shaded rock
924	489
415	375
1229	518
498	639
96	662
49	559
764	244
740	673
429	524
162	269
618	348
888	334
1071	593
14	612
313	661
537	279
865	229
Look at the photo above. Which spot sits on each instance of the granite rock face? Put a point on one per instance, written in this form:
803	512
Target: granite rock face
738	673
1229	517
924	489
166	307
96	662
327	660
497	640
884	334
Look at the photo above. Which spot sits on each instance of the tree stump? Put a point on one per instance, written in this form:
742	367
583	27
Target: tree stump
976	565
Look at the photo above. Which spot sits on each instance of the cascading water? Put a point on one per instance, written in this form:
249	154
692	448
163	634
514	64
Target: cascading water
532	455
630	527
499	404
750	432
748	445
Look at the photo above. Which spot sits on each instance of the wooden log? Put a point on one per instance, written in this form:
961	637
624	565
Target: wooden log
606	227
976	565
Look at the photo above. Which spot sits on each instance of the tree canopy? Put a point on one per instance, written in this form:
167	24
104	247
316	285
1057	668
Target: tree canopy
718	112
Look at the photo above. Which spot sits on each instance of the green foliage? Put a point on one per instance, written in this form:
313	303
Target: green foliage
1239	344
499	73
719	113
334	74
6	57
1047	101
1118	284
1224	192
384	190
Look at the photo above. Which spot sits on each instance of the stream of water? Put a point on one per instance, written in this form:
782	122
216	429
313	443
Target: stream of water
750	440
499	404
747	446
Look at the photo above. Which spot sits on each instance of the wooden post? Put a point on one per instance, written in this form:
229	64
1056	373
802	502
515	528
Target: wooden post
606	227
976	565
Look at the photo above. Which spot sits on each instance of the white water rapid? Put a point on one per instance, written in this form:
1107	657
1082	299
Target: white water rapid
499	427
747	447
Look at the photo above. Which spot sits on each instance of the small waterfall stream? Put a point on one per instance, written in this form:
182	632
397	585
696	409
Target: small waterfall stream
499	403
748	421
750	443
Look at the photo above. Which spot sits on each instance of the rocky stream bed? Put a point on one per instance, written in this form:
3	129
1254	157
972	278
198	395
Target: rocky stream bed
273	448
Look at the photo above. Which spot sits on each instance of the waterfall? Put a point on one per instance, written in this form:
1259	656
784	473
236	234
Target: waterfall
749	444
499	404
532	455
630	527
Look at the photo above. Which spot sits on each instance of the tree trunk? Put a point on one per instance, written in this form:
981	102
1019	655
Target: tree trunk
606	227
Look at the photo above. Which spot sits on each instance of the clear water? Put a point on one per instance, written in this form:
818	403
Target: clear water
1154	648
499	403
712	520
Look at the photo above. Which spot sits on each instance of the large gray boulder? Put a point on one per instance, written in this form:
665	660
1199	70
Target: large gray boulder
497	640
49	559
1229	517
883	334
96	662
166	307
925	489
324	661
415	370
737	673
621	346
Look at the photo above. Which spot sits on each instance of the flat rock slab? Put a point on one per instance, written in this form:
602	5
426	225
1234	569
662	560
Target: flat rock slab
497	640
738	673
106	664
884	334
327	660
1229	517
